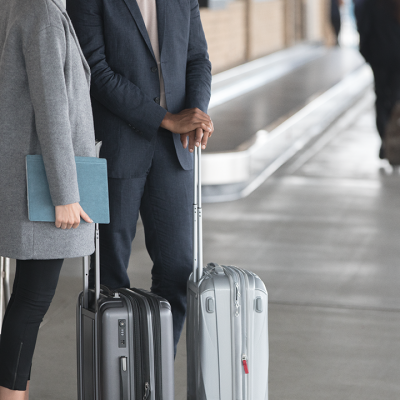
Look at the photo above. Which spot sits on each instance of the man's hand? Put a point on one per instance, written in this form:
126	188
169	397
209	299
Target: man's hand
195	137
69	216
190	123
187	121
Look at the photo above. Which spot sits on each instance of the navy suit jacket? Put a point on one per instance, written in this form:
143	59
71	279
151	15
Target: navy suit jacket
125	86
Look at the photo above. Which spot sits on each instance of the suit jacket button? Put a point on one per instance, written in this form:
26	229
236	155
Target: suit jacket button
157	100
154	69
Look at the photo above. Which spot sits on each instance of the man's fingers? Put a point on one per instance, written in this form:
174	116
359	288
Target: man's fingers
207	127
204	141
184	140
212	128
199	134
191	141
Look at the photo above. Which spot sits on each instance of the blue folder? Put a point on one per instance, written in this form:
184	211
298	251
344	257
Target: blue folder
93	189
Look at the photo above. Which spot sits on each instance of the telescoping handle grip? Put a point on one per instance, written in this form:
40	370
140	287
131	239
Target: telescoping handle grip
197	218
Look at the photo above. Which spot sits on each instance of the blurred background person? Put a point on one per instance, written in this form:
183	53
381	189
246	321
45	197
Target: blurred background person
335	17
378	23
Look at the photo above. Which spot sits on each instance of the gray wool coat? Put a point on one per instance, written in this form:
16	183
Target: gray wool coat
44	109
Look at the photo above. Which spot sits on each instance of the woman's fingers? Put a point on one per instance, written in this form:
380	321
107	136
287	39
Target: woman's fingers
84	216
69	216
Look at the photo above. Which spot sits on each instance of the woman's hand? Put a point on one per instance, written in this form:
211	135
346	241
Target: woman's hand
69	216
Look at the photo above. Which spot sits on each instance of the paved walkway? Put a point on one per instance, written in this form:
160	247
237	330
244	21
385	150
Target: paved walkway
323	233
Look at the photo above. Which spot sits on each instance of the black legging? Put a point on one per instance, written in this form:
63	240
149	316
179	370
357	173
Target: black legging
34	287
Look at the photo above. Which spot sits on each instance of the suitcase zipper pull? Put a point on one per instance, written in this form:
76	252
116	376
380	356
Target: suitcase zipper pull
245	366
146	391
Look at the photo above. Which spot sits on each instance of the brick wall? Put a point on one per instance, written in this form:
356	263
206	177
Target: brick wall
226	35
249	29
267	27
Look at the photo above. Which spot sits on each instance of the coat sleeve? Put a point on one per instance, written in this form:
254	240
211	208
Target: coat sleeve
113	90
45	60
198	69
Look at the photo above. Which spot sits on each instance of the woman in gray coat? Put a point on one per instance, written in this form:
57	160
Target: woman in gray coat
44	109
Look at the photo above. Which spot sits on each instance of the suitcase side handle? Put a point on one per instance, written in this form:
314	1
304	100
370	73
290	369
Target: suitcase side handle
124	373
197	217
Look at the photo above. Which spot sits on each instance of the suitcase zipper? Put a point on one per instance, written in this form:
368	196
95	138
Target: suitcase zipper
233	283
156	322
243	284
144	334
142	373
237	299
247	327
146	390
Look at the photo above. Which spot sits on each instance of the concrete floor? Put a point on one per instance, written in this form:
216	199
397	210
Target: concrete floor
324	236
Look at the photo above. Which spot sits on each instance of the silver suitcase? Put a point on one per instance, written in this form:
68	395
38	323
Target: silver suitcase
227	325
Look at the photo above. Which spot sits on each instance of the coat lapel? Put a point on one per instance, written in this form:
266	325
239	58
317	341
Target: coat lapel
137	16
161	15
72	30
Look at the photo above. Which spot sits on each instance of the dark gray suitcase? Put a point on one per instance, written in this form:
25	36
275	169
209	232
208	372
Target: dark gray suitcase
227	325
124	343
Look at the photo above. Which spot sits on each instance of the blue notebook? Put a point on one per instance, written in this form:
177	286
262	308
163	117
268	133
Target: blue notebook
93	189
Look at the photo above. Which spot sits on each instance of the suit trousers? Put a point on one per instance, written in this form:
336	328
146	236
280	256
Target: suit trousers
163	195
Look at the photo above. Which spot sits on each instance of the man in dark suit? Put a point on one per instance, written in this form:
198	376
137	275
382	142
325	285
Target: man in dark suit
151	85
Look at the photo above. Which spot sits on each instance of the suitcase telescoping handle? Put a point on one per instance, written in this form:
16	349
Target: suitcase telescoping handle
197	218
86	260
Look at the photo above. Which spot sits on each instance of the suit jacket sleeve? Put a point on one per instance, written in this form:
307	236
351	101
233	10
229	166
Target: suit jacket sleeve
111	89
198	70
45	59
